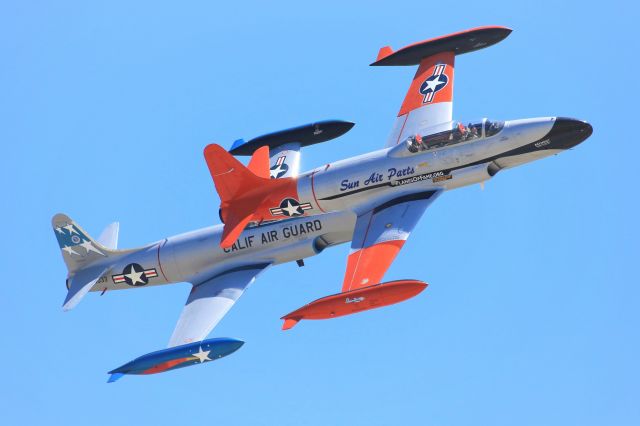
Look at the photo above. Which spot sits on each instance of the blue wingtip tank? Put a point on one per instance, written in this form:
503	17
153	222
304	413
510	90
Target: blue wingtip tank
178	357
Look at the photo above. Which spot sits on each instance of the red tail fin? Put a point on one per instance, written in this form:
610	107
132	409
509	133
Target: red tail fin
259	163
236	186
246	193
230	176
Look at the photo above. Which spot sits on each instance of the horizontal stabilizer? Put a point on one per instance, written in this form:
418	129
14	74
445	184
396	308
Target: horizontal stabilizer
81	283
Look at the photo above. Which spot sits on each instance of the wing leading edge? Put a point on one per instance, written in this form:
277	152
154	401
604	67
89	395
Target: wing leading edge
210	301
428	105
378	237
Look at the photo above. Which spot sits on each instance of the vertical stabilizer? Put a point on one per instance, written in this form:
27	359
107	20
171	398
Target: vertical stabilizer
240	189
87	260
109	236
78	249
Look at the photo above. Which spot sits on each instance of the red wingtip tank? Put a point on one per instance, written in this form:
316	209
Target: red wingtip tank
354	301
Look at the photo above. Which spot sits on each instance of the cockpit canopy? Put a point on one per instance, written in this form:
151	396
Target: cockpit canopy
458	133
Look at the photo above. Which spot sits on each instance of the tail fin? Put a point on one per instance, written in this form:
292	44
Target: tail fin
78	249
109	236
84	256
238	187
260	163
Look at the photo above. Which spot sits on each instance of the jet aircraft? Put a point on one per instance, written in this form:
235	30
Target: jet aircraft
273	214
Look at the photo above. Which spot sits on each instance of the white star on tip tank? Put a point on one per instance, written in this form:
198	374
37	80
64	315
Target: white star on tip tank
202	355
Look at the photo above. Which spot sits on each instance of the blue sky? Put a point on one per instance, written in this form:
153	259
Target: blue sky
532	313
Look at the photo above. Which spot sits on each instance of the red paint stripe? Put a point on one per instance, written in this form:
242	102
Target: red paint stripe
164	366
405	122
160	264
313	191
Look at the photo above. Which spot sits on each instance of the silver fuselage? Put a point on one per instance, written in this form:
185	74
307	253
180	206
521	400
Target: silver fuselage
338	192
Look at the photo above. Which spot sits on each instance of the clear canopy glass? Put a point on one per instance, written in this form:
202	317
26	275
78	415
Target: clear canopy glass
457	133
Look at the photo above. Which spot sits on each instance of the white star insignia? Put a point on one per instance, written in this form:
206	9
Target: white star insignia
71	229
135	276
433	84
291	209
70	250
89	247
275	172
202	355
59	230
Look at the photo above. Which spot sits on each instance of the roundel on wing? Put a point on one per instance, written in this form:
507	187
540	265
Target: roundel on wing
434	83
279	170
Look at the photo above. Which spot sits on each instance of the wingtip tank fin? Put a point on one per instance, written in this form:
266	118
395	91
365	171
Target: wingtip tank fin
384	52
114	377
290	323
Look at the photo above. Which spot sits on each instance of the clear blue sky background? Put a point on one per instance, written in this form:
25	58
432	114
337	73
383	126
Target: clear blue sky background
532	314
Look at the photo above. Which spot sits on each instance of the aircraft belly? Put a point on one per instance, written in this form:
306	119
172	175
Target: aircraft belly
195	256
516	160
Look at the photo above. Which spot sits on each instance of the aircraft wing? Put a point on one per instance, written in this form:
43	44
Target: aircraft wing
284	145
210	300
428	105
379	235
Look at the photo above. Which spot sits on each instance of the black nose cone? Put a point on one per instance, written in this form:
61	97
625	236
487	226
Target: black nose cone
568	132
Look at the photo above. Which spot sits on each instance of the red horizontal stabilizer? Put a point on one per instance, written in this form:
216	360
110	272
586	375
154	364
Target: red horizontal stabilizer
354	301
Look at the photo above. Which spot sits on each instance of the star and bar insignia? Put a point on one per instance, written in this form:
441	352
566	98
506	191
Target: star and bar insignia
436	82
279	169
135	275
290	207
